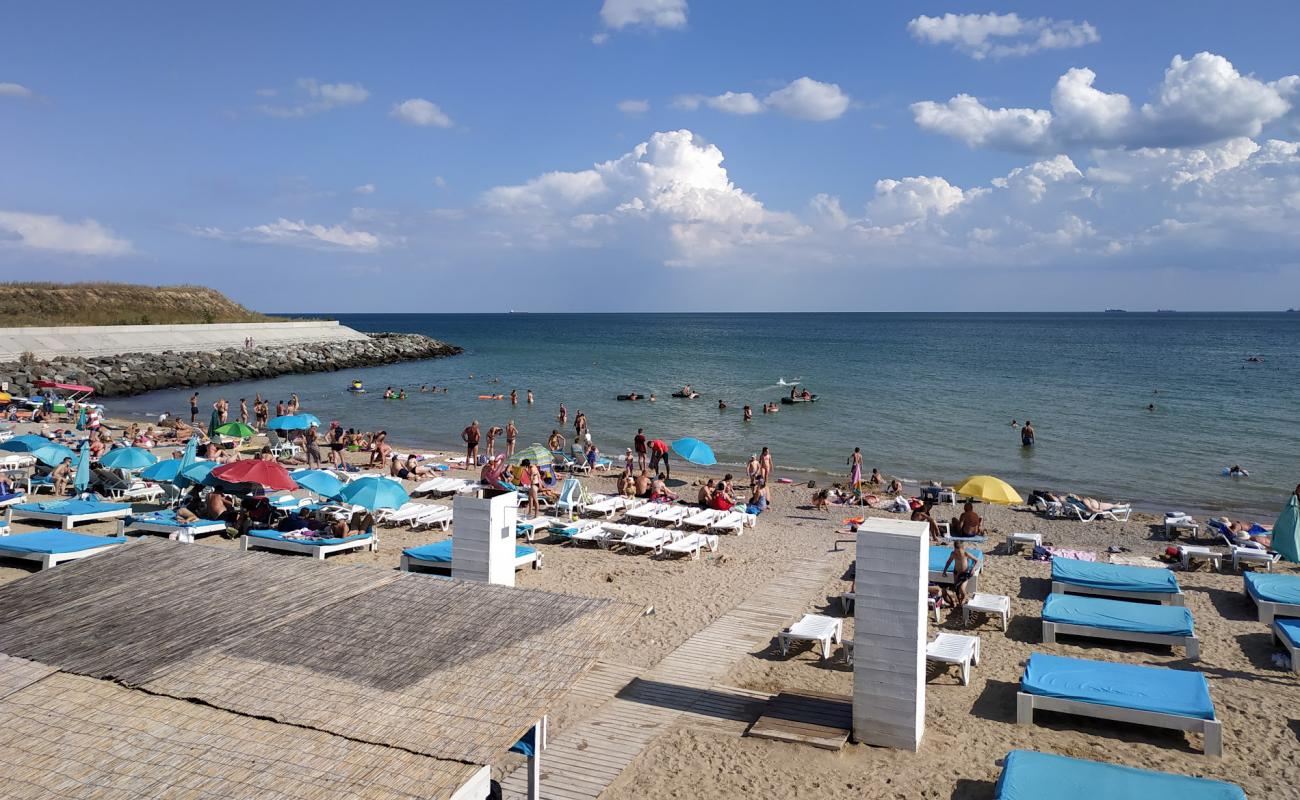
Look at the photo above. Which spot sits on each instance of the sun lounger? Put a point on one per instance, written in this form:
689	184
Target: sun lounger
1164	698
1274	595
732	522
570	500
602	506
1118	512
691	544
646	511
317	548
590	534
955	648
564	529
822	630
1191	554
69	512
392	517
671	516
1286	632
939	557
1014	540
1121	620
12	499
118	487
51	548
652	539
433	517
1115	580
702	519
165	522
993	605
1030	775
1253	556
529	528
439	555
614	534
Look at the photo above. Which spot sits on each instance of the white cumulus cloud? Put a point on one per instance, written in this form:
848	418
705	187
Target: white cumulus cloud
1000	35
803	98
633	108
649	13
418	111
297	233
55	234
15	90
1200	100
365	188
315	97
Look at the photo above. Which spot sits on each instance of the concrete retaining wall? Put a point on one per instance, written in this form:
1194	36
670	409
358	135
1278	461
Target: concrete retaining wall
88	341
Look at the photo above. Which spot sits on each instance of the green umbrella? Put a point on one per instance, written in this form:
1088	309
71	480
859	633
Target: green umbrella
237	429
213	422
535	452
1286	531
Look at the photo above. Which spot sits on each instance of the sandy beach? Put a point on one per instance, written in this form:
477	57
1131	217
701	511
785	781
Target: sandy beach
968	728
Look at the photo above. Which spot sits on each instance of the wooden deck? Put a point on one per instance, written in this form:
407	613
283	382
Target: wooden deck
821	720
579	763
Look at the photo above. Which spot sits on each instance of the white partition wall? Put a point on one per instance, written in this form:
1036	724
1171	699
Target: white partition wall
484	538
889	633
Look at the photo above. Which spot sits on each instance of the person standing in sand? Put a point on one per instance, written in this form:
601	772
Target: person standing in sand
243	411
855	468
962	565
556	442
752	469
765	466
639	444
493	432
512	433
470	436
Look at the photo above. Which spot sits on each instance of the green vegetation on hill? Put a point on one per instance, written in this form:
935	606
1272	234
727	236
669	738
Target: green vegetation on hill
36	304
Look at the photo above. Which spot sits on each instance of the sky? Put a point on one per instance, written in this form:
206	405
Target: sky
658	155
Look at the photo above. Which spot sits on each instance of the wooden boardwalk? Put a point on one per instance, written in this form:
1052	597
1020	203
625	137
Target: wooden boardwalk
579	763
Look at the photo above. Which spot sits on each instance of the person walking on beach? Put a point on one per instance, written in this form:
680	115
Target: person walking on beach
337	443
639	445
470	435
511	434
243	410
1027	434
531	478
194	408
765	466
311	447
855	468
563	416
752	469
514	397
556	441
493	432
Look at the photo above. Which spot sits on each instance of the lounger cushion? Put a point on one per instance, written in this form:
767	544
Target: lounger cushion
1117	577
72	507
1288	628
1117	615
939	556
55	542
169	518
284	537
1274	588
1029	775
440	552
1165	691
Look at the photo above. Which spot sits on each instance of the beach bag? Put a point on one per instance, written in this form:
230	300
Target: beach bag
1041	553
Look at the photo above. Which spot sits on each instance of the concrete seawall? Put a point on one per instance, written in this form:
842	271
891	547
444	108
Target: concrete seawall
109	340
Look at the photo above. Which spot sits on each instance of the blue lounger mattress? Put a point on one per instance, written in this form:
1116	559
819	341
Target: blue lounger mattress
1029	775
169	518
1117	615
49	542
1289	629
71	508
939	556
1274	588
1163	691
280	536
1116	577
440	552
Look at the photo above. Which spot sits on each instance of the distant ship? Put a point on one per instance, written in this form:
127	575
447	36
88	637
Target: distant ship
1117	311
1165	311
1293	311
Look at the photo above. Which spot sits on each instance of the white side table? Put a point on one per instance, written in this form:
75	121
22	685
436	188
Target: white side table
990	604
1014	540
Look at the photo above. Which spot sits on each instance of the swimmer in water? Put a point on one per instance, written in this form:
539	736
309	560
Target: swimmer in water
1151	406
1015	424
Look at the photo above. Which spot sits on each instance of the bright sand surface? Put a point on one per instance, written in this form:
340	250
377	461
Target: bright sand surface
968	728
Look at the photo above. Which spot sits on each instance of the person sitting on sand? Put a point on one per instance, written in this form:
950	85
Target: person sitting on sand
726	484
969	523
922	514
592	455
757	502
659	491
410	470
821	500
895	487
876	478
627	485
380	451
962	565
721	501
705	496
642	483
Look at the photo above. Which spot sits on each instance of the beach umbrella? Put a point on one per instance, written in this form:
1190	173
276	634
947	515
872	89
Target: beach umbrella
188	459
197	472
374	493
236	429
52	454
128	458
293	422
162	471
267	474
695	451
1286	531
535	453
989	489
82	479
213	422
325	484
27	443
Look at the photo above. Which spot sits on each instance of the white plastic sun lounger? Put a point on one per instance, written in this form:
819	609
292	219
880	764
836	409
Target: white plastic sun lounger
616	533
645	511
823	630
316	548
393	517
592	534
702	519
434	516
691	544
732	522
652	539
1119	512
529	528
606	507
955	648
672	516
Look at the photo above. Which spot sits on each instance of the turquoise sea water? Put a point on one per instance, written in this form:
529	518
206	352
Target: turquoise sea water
924	395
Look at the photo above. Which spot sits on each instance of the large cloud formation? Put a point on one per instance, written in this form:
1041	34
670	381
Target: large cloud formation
1201	100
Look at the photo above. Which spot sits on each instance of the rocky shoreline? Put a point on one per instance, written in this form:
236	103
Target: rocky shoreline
137	373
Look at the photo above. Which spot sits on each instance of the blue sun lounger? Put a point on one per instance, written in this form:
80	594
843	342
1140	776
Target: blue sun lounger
939	557
1030	775
438	555
1162	698
69	512
1286	632
316	548
54	547
165	522
1115	580
1274	595
1102	618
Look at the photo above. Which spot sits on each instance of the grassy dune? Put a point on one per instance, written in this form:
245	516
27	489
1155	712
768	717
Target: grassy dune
26	304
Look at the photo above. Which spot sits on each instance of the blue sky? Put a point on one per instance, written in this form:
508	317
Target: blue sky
658	154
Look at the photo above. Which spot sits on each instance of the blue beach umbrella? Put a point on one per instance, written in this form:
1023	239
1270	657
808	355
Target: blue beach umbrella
374	493
128	458
27	443
52	454
162	471
1286	531
325	484
695	451
82	479
293	422
187	459
197	472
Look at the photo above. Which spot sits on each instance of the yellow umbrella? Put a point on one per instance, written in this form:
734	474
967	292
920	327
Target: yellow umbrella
4	397
989	489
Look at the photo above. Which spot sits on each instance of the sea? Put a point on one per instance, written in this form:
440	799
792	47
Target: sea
1141	407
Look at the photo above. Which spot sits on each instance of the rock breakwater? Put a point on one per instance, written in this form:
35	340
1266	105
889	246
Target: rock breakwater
136	373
